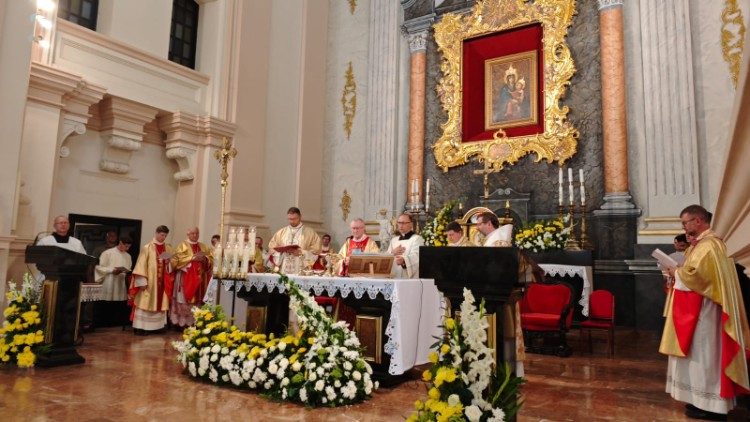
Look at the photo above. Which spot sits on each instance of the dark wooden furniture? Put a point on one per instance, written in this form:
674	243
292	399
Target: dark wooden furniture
64	271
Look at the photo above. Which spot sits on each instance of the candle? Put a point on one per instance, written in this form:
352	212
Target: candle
570	184
427	196
559	187
217	260
241	238
251	240
583	189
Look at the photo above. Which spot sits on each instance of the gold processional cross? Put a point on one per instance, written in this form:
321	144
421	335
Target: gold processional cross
224	156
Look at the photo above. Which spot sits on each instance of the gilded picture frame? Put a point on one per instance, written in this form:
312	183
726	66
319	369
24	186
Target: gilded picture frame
510	91
558	141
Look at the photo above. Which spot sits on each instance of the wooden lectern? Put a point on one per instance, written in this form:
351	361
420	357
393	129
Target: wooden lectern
490	273
64	271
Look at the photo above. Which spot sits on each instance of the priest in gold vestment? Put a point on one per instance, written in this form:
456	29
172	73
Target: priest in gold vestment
455	235
706	330
151	285
307	242
357	243
192	262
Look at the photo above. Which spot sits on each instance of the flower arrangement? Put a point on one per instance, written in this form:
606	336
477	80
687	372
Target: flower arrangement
462	384
22	333
541	236
320	365
434	231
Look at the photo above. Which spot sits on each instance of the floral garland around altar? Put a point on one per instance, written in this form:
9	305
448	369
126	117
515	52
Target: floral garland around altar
433	232
542	236
22	333
462	384
320	365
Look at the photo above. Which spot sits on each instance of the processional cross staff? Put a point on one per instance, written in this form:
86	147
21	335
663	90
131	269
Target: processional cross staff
224	156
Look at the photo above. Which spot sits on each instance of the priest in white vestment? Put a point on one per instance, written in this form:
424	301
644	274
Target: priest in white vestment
294	244
405	249
112	271
502	236
60	237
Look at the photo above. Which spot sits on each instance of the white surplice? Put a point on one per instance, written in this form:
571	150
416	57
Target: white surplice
113	285
411	256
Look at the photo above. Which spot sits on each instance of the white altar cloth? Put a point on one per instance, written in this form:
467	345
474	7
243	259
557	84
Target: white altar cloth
417	308
91	292
585	272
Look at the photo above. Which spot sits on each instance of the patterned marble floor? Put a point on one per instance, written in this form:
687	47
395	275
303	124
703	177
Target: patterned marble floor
129	378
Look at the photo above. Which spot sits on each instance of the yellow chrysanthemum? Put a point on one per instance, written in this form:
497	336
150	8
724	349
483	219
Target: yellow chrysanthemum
433	357
427	375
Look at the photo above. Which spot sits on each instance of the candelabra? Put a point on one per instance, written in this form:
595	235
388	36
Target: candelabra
572	243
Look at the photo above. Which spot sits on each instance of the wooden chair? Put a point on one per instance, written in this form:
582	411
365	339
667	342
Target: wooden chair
601	317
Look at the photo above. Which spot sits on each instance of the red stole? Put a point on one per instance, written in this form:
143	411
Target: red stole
352	246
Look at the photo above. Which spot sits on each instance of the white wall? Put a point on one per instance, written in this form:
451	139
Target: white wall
142	23
147	193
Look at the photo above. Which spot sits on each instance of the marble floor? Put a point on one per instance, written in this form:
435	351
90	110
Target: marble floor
132	378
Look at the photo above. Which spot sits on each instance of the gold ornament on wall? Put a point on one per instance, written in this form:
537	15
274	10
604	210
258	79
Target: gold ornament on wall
349	100
558	141
732	37
352	6
346	205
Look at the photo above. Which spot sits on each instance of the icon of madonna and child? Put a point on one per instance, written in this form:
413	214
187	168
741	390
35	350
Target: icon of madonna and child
510	91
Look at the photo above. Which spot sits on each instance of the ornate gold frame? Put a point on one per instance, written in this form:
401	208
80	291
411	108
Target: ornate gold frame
559	140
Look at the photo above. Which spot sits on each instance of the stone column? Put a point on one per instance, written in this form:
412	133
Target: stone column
382	108
617	197
417	80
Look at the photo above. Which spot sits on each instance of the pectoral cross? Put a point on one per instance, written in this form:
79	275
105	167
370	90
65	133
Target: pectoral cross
224	155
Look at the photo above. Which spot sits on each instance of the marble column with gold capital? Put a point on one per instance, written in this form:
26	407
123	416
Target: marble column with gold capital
617	197
417	78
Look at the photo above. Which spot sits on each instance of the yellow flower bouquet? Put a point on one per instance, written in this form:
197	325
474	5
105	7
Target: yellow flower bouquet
22	332
433	232
541	236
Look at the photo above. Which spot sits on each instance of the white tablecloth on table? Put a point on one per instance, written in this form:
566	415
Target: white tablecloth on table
91	292
416	308
585	272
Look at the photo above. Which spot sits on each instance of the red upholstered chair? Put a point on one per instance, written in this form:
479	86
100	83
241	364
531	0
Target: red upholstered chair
547	313
601	317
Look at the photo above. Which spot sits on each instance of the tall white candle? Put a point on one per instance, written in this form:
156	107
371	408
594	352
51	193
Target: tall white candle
583	189
217	259
251	240
241	238
559	187
570	184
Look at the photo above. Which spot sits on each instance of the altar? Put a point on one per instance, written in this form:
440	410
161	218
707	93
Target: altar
412	320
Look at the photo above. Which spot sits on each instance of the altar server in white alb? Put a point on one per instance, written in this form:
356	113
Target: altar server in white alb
405	248
60	237
114	266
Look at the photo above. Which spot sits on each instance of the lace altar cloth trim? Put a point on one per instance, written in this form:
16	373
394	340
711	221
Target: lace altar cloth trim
586	273
91	292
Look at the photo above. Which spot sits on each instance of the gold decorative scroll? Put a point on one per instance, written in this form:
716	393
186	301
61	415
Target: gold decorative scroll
352	6
346	205
559	140
349	100
732	37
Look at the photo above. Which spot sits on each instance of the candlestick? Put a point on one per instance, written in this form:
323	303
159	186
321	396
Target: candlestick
570	184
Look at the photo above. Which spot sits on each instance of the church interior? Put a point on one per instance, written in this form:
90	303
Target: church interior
610	115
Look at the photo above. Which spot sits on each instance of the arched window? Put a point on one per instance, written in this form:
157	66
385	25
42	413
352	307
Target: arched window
184	34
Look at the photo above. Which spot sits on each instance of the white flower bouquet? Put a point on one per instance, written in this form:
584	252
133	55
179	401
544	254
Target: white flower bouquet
321	365
540	236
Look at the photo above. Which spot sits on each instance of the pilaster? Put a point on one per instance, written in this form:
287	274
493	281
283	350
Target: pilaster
382	108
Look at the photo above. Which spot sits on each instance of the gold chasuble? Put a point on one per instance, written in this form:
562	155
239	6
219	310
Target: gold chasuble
155	296
304	237
710	276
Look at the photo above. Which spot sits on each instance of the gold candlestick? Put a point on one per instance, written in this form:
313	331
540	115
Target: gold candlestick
224	156
572	243
585	243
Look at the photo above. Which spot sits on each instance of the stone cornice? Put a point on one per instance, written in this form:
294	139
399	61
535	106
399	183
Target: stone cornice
122	123
49	86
